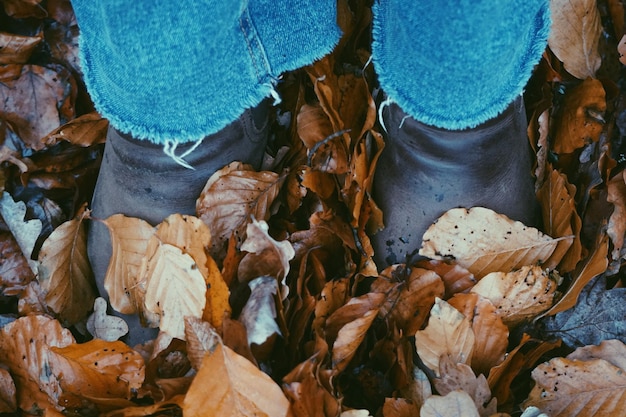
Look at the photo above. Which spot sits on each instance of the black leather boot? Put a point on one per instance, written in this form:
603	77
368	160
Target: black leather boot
138	179
425	171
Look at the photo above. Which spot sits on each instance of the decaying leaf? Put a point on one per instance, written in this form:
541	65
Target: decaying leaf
575	34
455	404
86	130
25	232
582	117
201	339
259	314
64	271
8	400
483	241
349	339
399	407
15	273
616	230
217	307
449	333
231	197
129	240
25	349
105	327
519	295
455	278
16	49
229	385
175	288
96	370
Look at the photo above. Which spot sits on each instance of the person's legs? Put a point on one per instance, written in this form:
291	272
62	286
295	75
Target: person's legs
454	122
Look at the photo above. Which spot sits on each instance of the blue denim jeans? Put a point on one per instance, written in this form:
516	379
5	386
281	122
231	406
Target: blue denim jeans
163	70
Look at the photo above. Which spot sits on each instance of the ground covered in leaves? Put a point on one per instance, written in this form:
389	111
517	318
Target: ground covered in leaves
277	308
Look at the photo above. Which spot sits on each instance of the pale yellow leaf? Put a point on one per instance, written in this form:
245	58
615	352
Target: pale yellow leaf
575	35
566	387
129	240
175	288
483	241
228	385
105	327
448	332
64	272
519	295
455	404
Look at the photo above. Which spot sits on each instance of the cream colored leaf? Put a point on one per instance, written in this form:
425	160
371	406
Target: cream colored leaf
612	351
418	388
575	35
105	327
266	256
455	404
483	241
201	338
448	332
175	288
519	295
349	339
228	385
259	313
25	232
355	413
129	240
25	349
65	273
231	197
566	387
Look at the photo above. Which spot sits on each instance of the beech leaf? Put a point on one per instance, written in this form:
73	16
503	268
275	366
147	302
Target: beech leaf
105	327
16	49
449	333
227	385
616	230
455	404
175	288
575	34
231	197
201	339
259	314
8	400
519	295
86	130
129	241
349	339
64	271
483	241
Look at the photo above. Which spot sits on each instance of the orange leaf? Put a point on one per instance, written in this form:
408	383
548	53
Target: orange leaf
8	400
86	130
16	49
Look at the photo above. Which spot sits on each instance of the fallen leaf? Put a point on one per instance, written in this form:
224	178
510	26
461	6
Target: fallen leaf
175	288
582	117
229	385
25	232
15	273
491	335
621	49
483	241
519	295
566	387
455	404
355	413
455	278
8	400
96	370
616	188
259	314
449	333
599	314
418	388
399	407
86	130
129	241
217	306
349	339
25	349
575	35
65	274
612	351
20	9
560	219
105	327
231	197
16	49
201	338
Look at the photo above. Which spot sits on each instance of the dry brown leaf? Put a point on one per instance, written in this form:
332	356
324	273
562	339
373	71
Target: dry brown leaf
560	219
418	388
569	387
582	117
86	130
265	256
542	122
105	327
594	265
449	333
31	103
455	404
399	407
201	338
616	189
491	335
16	49
408	298
64	271
612	351
349	339
227	384
8	399
519	295
25	349
175	288
96	370
231	197
217	306
19	9
15	273
458	376
575	34
483	241
355	307
129	240
455	278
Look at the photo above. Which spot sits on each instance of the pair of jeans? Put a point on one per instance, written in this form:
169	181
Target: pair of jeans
168	71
